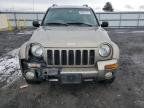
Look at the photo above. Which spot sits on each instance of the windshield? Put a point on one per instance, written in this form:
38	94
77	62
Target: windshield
70	16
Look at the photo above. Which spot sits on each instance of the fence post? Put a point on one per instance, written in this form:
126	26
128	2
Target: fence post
37	16
138	20
9	25
24	24
15	19
19	24
100	18
120	20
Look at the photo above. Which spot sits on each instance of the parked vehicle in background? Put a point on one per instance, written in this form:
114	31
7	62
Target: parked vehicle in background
69	46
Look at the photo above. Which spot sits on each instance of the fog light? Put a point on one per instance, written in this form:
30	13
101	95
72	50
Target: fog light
30	75
108	75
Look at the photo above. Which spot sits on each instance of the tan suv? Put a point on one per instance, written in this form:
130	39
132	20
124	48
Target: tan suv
69	46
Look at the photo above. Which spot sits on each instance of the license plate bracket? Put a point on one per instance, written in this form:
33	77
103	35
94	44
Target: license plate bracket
71	78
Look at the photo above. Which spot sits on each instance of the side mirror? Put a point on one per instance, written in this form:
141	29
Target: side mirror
104	24
36	24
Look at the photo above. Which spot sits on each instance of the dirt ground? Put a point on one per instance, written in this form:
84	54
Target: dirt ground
127	91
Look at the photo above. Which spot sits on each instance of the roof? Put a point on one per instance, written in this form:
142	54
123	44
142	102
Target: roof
69	6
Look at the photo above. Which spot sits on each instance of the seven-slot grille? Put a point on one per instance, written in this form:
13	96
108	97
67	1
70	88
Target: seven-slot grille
71	57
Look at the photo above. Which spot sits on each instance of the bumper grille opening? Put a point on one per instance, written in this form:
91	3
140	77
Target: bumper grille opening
71	57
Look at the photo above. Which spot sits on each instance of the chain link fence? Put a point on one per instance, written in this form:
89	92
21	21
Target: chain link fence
115	19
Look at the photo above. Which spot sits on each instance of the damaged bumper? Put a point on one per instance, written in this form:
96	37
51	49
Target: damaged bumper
103	70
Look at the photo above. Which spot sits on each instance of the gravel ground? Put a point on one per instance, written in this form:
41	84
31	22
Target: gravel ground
127	91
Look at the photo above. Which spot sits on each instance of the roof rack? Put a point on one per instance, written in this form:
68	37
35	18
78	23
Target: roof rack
85	5
54	5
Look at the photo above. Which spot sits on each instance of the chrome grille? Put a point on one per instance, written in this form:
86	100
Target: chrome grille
70	57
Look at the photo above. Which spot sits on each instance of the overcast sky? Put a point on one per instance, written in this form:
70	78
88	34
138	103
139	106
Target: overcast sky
97	5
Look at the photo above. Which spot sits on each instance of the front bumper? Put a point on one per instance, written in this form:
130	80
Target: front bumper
41	73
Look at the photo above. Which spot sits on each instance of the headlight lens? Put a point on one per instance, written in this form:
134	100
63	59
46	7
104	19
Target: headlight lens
104	50
36	50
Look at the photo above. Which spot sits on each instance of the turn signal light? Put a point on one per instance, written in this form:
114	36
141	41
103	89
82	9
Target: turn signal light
32	65
111	67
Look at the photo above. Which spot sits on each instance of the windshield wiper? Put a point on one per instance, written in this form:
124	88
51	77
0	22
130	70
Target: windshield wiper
79	23
56	23
69	23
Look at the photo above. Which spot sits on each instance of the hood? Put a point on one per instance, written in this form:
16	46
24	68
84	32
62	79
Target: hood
70	36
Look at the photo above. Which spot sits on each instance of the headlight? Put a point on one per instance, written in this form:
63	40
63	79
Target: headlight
104	50
36	50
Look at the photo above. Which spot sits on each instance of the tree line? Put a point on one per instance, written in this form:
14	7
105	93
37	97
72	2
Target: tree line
108	7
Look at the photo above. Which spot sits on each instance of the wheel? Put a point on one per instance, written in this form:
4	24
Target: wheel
108	81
